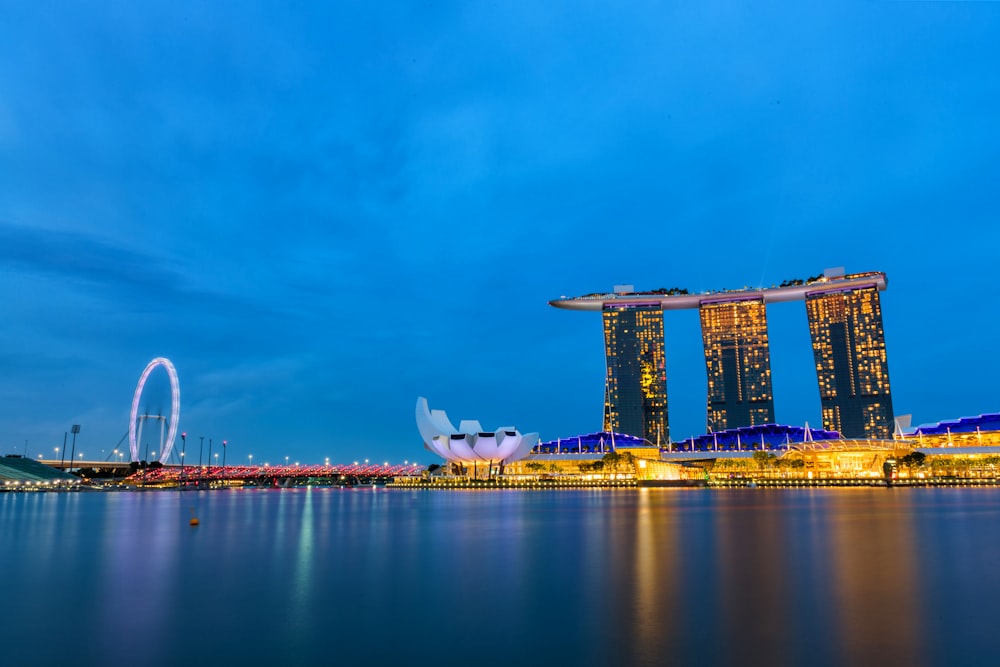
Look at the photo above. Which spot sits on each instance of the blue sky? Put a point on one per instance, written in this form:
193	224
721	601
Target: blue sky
320	211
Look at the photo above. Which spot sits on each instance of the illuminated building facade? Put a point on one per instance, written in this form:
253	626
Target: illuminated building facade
845	321
848	343
738	363
635	392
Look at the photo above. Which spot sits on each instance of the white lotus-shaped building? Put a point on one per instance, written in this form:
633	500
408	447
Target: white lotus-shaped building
469	443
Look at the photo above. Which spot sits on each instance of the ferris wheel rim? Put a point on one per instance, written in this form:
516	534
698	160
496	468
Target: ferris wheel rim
175	408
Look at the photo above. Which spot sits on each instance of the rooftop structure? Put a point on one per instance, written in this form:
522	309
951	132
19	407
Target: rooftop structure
601	442
975	432
985	422
680	299
758	437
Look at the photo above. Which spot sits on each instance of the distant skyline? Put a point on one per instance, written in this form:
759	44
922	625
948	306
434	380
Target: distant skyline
321	212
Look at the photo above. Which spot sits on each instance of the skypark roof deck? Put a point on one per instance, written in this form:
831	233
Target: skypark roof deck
675	301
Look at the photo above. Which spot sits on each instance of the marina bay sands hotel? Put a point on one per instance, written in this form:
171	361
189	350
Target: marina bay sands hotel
845	324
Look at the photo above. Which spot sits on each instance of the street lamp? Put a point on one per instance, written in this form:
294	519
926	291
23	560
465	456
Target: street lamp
74	430
62	456
223	454
183	447
250	458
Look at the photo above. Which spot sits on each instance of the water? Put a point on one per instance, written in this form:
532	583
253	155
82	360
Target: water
577	577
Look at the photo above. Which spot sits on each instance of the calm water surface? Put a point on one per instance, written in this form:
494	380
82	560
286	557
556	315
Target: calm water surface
576	577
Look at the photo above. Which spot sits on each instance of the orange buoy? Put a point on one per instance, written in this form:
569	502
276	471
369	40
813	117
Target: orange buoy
194	521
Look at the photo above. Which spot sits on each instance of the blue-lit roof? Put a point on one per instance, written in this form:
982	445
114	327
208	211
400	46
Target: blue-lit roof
762	436
589	443
987	422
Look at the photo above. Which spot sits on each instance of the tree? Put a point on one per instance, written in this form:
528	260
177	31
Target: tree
614	461
611	461
913	459
763	459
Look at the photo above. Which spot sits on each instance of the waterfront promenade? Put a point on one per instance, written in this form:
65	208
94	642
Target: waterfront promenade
944	467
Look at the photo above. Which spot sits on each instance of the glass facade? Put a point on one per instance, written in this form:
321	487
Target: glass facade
849	348
635	392
738	363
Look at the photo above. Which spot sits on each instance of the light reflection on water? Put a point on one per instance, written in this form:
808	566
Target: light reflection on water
649	576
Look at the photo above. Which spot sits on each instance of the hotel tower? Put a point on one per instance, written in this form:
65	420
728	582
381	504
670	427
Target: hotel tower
849	347
635	390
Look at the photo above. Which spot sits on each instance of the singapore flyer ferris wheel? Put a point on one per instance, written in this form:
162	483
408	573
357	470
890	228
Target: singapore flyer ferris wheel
136	420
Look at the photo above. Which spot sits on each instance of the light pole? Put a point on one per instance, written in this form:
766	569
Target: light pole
210	452
62	456
74	430
250	458
224	455
183	448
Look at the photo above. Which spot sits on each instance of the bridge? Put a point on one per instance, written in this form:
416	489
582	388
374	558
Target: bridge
80	463
273	475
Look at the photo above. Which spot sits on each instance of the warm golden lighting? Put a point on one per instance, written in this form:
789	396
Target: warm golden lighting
635	397
738	363
849	350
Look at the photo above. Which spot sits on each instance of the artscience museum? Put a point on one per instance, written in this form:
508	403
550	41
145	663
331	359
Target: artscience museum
469	443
